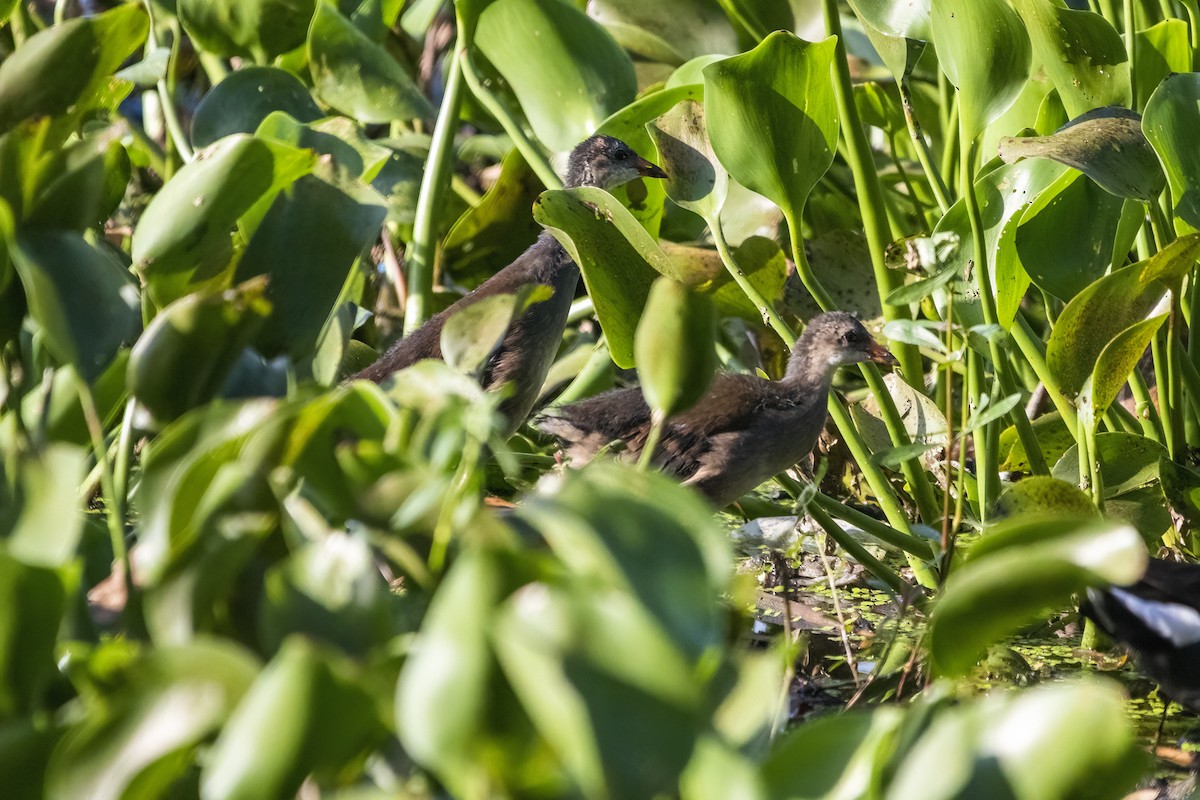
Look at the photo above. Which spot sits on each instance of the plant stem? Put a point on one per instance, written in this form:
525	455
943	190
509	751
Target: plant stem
860	554
1034	351
114	505
871	204
1147	414
987	473
438	168
1131	48
1162	379
936	184
765	309
873	527
657	422
166	99
594	376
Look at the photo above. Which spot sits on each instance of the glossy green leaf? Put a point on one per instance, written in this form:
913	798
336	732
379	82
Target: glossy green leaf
1041	494
1107	145
1169	122
240	103
182	243
48	518
168	702
706	30
984	50
1053	436
566	71
1118	358
33	602
617	257
182	359
79	295
695	178
261	29
910	19
990	597
279	126
831	757
1081	53
674	347
64	68
1127	462
1162	49
771	117
1110	306
324	227
471	335
357	76
84	184
316	720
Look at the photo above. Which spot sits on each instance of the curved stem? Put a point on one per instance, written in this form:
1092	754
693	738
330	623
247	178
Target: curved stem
438	168
936	184
764	306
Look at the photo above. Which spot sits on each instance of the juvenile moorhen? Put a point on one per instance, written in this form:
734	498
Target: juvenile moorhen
1158	618
744	430
524	356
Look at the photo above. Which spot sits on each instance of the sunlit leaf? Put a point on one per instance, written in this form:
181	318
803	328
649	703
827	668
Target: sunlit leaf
243	100
1169	122
674	347
258	28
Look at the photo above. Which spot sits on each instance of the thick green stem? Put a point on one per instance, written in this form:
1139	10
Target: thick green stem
987	472
594	377
657	422
936	184
1146	413
1131	48
170	114
114	503
765	309
860	554
870	194
422	254
884	533
1162	379
1034	351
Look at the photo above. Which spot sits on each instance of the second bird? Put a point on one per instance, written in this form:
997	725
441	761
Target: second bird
524	356
745	430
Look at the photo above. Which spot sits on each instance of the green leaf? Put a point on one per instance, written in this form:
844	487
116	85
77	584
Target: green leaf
985	52
240	102
84	183
182	243
1041	494
1118	358
1127	462
314	715
674	347
1162	49
183	358
357	76
831	757
260	29
992	596
324	227
991	412
771	117
66	67
706	29
695	178
48	518
1113	304
1107	145
909	20
166	703
1081	53
471	335
1170	121
32	602
79	295
279	126
617	257
566	71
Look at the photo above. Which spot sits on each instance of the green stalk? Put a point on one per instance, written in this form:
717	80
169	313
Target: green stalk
1147	414
592	378
1131	48
438	169
1162	378
884	533
1034	352
860	554
936	184
114	504
657	422
987	472
870	194
918	206
765	309
529	151
166	100
124	455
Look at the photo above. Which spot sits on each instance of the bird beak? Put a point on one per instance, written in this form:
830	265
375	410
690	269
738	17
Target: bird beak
881	355
648	169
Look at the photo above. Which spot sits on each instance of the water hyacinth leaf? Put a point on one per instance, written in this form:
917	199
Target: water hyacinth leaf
1107	145
674	347
1110	306
182	359
1163	49
65	67
1041	494
356	75
261	29
990	412
280	126
772	119
991	597
84	184
618	259
1170	122
446	682
1127	461
1118	359
1053	436
707	29
240	102
316	717
765	267
834	756
908	19
183	241
324	225
565	69
984	50
49	520
79	295
1070	234
695	178
34	600
923	420
1081	53
169	701
472	334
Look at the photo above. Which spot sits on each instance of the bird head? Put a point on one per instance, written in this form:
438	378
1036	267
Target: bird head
835	339
607	162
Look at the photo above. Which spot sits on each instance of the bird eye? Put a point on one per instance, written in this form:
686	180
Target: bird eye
851	337
622	155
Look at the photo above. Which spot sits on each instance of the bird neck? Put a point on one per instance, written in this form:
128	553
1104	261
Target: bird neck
580	175
809	367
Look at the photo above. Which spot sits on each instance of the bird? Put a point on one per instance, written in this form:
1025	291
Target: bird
1158	619
743	431
524	356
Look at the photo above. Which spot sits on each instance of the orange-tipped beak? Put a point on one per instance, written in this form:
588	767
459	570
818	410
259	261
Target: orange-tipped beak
648	169
881	355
